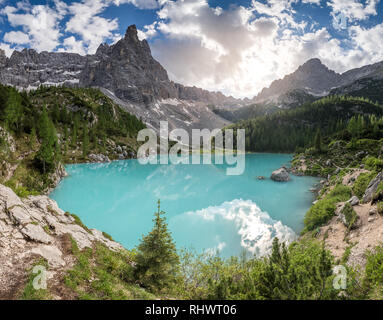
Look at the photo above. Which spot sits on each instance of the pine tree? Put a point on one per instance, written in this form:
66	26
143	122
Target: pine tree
46	156
74	132
157	260
13	110
33	138
318	141
85	141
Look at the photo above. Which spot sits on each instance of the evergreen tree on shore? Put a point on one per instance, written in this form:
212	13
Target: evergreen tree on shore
157	259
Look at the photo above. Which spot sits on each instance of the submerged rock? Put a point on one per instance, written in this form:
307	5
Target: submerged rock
280	175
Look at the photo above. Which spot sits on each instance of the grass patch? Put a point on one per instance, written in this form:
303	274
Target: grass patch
78	221
102	274
362	183
108	236
29	292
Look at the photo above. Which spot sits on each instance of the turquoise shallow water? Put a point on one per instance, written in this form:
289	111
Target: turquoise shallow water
206	209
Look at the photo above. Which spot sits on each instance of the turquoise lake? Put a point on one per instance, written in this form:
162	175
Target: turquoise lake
205	208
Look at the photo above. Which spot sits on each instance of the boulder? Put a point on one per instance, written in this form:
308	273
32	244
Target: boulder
280	175
373	211
36	233
98	158
354	201
51	253
372	187
348	216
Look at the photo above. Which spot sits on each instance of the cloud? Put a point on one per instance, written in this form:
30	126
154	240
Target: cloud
86	22
16	37
39	22
238	50
7	49
142	4
354	9
148	32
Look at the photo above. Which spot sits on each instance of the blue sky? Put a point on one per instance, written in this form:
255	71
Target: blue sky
237	47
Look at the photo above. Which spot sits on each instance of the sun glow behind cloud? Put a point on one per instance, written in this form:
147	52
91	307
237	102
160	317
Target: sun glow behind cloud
237	47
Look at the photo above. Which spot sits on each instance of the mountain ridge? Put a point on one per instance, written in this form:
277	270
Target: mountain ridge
316	79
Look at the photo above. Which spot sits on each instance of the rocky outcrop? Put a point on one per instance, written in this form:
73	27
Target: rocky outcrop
98	158
37	227
281	175
372	187
354	201
3	58
29	69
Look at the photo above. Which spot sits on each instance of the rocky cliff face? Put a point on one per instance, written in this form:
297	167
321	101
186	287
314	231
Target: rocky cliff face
28	69
36	228
126	72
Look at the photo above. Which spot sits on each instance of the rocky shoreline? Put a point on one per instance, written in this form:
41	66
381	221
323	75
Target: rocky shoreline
34	228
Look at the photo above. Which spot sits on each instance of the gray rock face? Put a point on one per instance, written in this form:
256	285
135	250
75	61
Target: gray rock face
28	69
41	229
280	175
3	58
372	187
354	201
36	233
127	73
314	79
99	158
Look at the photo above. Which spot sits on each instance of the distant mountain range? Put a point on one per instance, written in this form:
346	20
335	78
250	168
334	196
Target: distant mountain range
127	73
314	79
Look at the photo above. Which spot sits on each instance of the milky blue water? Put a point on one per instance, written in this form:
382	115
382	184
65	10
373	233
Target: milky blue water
206	209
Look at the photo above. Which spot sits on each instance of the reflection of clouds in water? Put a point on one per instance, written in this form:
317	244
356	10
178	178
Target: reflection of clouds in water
256	228
217	249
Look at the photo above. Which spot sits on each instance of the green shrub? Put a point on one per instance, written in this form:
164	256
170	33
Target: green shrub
362	183
319	214
374	267
324	209
380	208
378	195
373	163
340	193
350	215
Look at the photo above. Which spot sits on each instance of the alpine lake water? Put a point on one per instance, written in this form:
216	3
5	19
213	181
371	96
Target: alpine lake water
206	209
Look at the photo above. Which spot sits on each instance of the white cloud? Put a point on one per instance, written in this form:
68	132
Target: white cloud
148	32
142	4
16	37
354	9
236	50
39	22
86	22
7	49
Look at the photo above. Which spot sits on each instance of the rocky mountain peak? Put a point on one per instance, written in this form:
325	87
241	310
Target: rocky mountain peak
3	58
313	77
131	32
